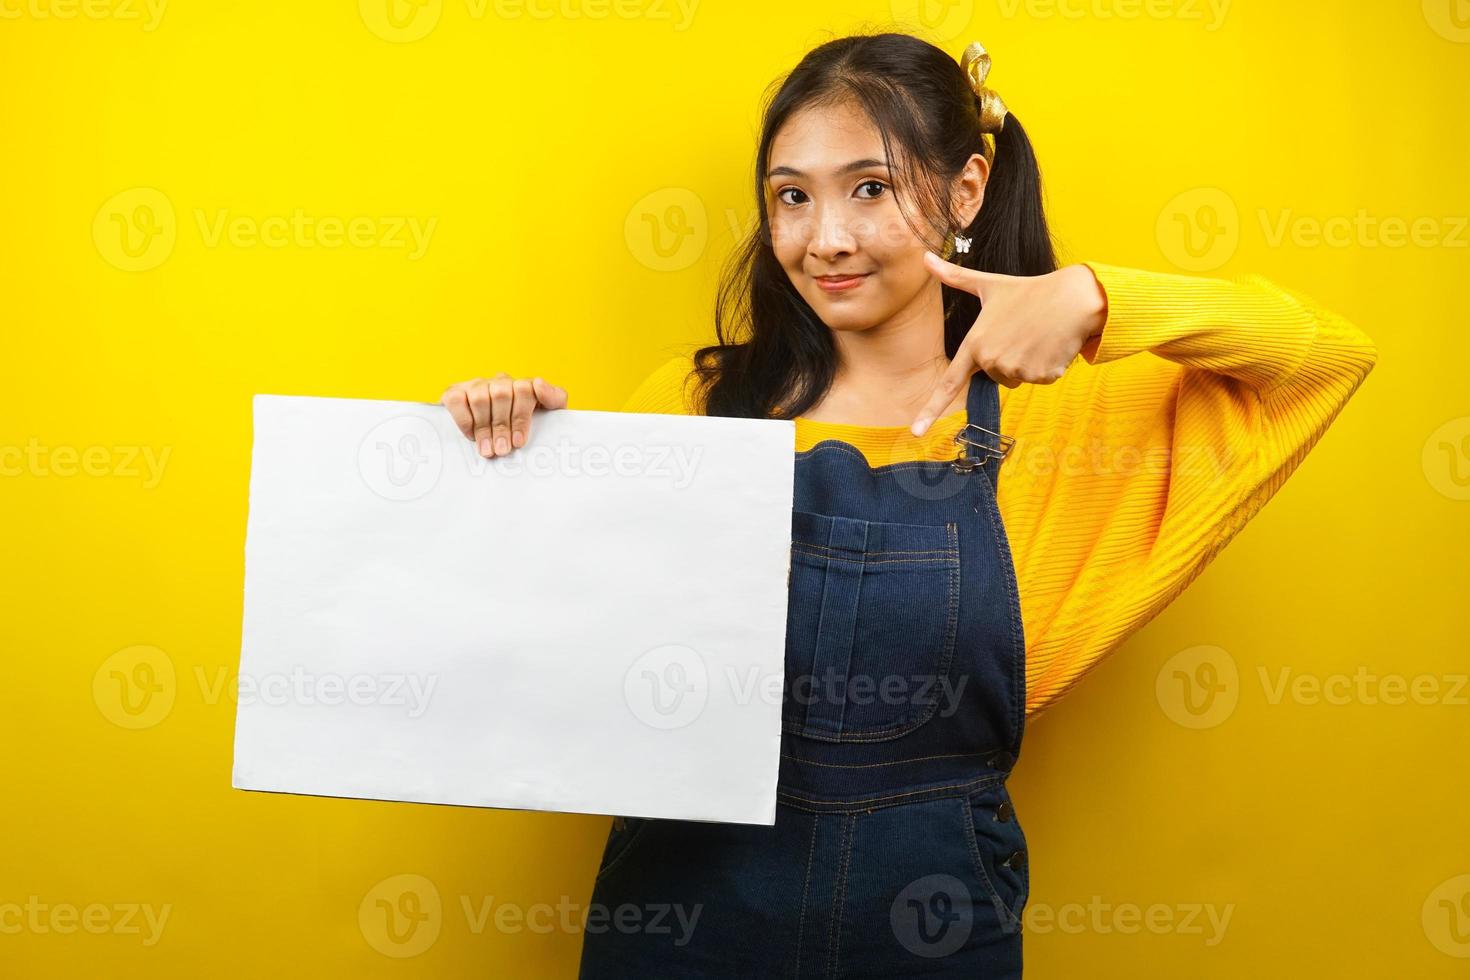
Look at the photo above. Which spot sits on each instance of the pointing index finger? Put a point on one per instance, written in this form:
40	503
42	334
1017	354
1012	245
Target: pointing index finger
950	383
953	275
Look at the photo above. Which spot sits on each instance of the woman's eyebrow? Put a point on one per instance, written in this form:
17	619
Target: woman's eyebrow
866	163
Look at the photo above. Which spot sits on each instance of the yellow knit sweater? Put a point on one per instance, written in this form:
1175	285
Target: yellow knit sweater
1129	474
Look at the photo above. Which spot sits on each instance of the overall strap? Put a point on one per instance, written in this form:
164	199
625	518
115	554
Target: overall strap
983	439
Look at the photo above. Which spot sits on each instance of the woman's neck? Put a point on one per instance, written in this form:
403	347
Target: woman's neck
891	396
886	373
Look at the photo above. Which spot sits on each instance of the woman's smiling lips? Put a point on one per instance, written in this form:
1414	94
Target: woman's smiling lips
834	284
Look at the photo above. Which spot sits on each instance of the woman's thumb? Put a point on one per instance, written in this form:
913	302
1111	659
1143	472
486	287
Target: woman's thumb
549	395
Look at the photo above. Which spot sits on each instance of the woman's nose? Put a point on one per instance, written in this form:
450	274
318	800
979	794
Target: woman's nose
833	232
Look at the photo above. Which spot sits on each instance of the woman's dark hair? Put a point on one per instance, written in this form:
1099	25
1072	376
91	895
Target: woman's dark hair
774	357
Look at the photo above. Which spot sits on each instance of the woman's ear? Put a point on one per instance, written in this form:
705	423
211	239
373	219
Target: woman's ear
969	188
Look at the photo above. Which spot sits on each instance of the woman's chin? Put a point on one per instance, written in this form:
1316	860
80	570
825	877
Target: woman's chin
847	324
841	316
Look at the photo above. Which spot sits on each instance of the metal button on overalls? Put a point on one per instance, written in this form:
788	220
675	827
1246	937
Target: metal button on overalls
896	849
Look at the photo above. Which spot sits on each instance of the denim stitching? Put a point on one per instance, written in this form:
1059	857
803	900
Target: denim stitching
864	735
950	639
888	469
816	647
871	765
1024	894
881	551
628	843
1008	578
1007	917
851	644
873	557
971	784
805	884
946	656
839	893
833	556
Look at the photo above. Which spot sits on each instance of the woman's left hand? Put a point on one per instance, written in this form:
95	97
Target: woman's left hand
1029	328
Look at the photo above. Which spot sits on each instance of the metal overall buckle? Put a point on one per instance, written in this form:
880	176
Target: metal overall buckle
992	445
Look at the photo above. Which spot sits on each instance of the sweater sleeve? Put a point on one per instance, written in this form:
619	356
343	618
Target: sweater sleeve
667	390
1171	429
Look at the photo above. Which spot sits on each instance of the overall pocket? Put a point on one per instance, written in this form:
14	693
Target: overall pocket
998	849
620	839
870	628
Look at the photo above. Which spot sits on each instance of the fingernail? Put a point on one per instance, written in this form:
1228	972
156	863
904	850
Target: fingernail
501	446
519	438
920	425
485	446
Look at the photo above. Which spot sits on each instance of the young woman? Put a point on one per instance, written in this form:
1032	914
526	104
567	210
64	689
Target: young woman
1152	416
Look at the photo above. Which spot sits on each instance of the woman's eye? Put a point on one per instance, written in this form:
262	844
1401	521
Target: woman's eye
877	187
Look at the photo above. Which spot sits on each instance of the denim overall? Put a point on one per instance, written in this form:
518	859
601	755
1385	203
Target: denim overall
896	850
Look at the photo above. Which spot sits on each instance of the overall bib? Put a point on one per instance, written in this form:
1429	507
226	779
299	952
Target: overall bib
896	850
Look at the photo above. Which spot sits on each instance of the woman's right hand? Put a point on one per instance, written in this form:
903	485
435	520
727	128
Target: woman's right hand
495	413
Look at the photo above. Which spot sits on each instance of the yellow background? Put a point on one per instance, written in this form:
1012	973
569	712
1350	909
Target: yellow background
547	140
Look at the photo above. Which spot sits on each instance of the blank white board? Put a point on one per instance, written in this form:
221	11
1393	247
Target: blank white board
594	623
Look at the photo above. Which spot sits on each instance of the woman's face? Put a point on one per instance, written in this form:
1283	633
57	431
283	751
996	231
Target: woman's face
833	213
